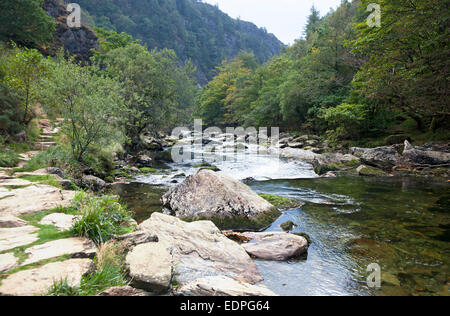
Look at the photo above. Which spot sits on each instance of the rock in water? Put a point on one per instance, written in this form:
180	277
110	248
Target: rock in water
381	157
150	267
221	286
275	246
38	281
416	156
199	249
229	203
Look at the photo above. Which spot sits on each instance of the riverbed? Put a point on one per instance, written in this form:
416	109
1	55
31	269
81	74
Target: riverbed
400	223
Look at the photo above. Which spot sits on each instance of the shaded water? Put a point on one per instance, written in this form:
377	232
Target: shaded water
403	224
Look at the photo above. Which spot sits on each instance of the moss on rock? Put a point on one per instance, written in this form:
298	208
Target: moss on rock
281	202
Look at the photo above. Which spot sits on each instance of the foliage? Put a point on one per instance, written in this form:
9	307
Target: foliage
10	112
407	59
346	121
194	30
8	159
157	91
101	218
89	103
23	71
25	22
344	79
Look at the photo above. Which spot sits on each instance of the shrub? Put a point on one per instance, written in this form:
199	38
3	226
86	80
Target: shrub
8	159
101	218
347	121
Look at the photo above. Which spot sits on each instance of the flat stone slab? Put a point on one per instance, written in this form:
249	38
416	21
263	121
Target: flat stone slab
123	291
150	267
35	198
221	286
11	238
14	182
9	221
199	249
38	281
8	262
61	221
75	247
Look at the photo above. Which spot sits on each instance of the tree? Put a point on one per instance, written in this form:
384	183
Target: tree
154	87
25	22
90	104
408	59
23	71
313	22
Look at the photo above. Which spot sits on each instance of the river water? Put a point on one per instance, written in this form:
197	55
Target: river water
402	224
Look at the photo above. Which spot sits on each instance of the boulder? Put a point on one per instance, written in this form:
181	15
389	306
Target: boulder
34	199
288	226
137	238
8	262
150	143
55	171
275	246
144	161
9	221
11	238
150	267
380	157
93	183
295	145
199	249
221	286
210	195
419	156
367	171
38	281
61	221
75	247
123	291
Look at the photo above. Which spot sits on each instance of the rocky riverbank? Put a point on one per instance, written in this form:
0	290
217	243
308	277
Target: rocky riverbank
432	159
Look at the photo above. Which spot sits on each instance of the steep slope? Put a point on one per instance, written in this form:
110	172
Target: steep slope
193	29
78	42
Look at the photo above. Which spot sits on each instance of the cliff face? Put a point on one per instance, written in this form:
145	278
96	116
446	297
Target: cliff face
77	42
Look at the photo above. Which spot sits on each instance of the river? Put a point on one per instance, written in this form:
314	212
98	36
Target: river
400	223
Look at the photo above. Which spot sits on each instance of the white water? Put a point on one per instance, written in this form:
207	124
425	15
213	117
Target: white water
251	163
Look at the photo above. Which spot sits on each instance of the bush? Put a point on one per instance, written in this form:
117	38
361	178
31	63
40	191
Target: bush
8	159
56	156
101	218
346	121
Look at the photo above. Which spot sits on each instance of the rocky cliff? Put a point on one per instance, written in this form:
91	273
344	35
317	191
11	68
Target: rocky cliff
77	42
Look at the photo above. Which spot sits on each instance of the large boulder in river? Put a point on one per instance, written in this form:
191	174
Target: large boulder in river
380	157
419	156
199	249
229	203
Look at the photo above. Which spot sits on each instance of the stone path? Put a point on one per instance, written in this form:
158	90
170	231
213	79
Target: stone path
38	281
